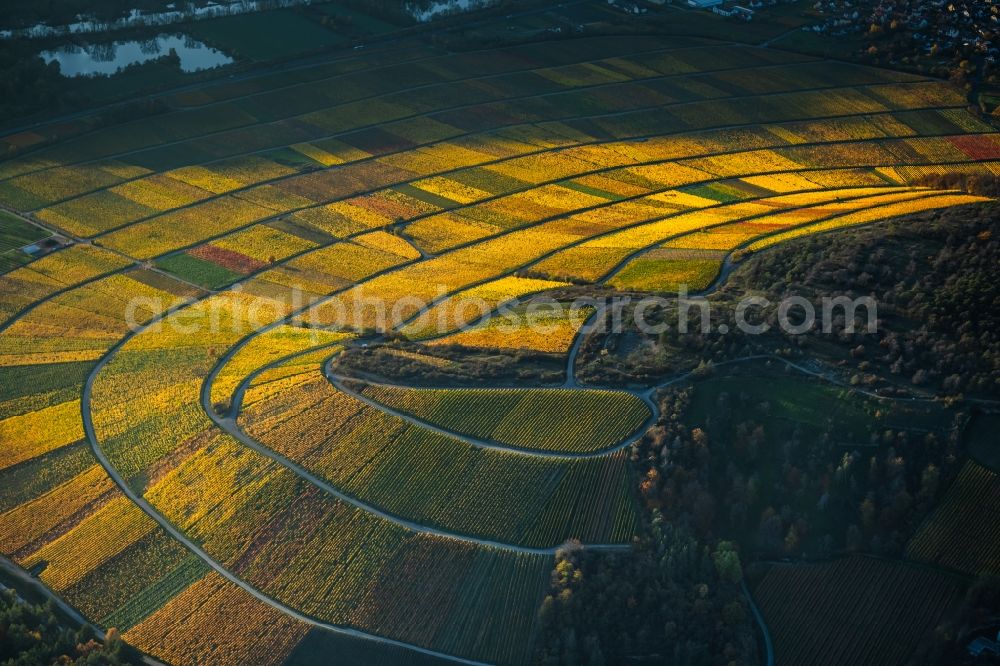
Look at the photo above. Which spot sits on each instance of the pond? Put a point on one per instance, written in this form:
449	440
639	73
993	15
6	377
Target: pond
110	57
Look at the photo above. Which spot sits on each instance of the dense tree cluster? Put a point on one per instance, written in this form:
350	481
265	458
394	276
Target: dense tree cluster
931	277
406	362
32	634
717	493
27	84
675	597
801	493
733	479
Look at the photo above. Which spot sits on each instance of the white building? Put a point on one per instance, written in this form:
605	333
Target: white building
704	4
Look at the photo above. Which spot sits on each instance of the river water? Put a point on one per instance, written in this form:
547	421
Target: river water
110	57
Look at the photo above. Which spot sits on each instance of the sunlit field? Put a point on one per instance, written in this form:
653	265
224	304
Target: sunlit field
183	459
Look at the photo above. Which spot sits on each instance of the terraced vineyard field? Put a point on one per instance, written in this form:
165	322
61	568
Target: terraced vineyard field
541	419
173	446
857	610
952	538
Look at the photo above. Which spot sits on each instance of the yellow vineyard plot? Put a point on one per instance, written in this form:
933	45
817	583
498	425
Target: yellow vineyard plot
275	198
42	188
332	152
264	243
346	261
593	259
278	380
81	323
539	168
27	522
782	182
668	269
97	538
264	349
184	227
447	230
342	219
30	435
46	276
71	266
474	303
216	623
870	215
551	328
161	192
328	269
435	158
251	169
206	179
86	216
223	473
451	189
388	243
739	164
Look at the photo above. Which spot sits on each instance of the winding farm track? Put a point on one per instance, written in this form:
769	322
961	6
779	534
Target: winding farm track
229	425
179	250
179	535
761	624
24	578
228	422
544	150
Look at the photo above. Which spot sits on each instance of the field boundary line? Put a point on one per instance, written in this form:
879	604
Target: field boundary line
181	537
317	61
288	319
500	128
338	382
921	194
400	91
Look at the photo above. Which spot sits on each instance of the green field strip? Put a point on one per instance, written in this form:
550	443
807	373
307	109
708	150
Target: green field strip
198	271
152	598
